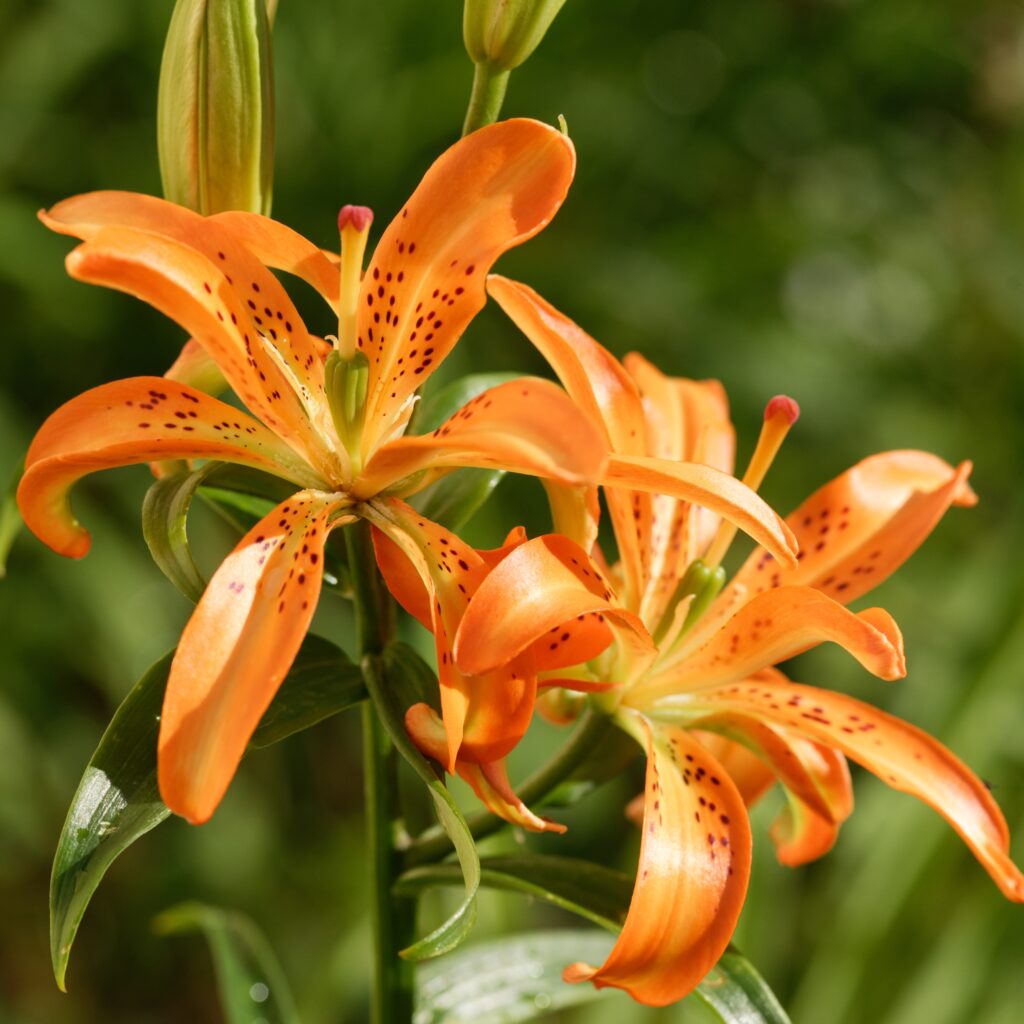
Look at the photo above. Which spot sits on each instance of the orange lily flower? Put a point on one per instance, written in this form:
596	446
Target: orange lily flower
717	721
332	427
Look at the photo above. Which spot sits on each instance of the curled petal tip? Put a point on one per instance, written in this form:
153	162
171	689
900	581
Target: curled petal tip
782	405
359	217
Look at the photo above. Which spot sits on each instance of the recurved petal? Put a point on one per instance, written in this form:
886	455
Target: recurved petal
709	488
544	593
526	426
898	753
141	419
245	341
490	191
237	648
860	527
278	246
265	304
774	626
692	877
489	780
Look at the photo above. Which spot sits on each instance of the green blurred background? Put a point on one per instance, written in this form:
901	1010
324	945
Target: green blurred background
819	198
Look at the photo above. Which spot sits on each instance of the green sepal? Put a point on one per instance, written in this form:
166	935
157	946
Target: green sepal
396	681
118	799
250	981
591	891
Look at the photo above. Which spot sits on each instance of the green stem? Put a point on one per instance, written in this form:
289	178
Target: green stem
489	85
435	844
393	916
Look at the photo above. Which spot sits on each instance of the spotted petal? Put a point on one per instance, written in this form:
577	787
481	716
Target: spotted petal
229	242
136	420
692	877
898	753
602	388
775	626
184	284
549	597
237	648
526	426
489	192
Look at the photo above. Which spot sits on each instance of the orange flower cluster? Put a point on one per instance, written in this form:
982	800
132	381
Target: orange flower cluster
683	664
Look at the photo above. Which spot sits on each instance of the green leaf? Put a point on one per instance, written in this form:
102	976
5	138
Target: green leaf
455	498
10	518
396	681
736	994
118	800
250	980
164	519
596	893
509	980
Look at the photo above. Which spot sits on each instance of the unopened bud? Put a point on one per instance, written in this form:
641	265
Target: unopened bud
215	111
503	33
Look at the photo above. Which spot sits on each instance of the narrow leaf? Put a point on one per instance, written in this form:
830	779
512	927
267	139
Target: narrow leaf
397	680
118	800
592	891
164	519
10	518
250	981
737	994
509	980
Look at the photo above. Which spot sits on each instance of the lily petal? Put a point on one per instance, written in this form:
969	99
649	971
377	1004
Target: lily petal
237	648
488	780
278	246
491	191
187	286
545	594
692	877
267	307
526	426
901	755
710	488
860	527
485	715
602	388
776	625
140	419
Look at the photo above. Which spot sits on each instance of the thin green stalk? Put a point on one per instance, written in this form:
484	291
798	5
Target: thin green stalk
435	844
393	917
489	85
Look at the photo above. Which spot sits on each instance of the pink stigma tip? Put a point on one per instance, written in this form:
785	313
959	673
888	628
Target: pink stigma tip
360	217
782	405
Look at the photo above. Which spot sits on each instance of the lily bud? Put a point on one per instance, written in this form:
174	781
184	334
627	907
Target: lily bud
503	33
215	111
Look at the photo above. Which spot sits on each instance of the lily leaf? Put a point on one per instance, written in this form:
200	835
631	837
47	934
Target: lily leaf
592	891
164	520
250	980
118	800
455	498
10	518
397	680
736	994
510	979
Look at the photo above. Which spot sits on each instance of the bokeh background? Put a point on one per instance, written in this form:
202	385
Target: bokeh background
819	198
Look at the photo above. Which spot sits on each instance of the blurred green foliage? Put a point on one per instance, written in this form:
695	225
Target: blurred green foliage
821	197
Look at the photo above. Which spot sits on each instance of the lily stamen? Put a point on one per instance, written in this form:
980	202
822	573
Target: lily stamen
780	414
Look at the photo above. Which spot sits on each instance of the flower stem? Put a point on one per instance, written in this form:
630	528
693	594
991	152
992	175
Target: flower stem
434	844
489	85
393	917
